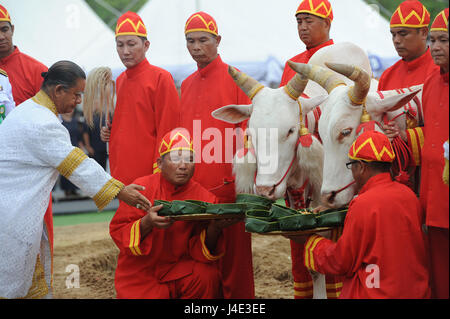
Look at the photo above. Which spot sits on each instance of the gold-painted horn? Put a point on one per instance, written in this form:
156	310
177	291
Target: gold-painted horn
327	79
295	87
248	84
357	93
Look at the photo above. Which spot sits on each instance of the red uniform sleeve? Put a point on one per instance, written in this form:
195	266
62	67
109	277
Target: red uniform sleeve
416	139
241	99
167	111
124	228
197	247
345	256
125	231
199	252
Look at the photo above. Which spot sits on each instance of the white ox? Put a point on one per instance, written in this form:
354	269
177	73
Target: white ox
341	117
274	125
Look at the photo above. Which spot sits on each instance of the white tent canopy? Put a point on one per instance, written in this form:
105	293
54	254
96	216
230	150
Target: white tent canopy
54	30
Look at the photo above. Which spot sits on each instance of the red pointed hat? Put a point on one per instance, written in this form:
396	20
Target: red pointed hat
201	21
410	14
130	23
372	146
441	21
320	8
4	14
177	139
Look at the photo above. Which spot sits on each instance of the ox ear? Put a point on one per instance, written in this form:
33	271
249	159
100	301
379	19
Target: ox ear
388	101
233	113
310	104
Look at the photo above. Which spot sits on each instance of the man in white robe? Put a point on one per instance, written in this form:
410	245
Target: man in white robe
37	150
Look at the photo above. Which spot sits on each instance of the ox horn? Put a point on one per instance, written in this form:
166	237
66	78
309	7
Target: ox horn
248	84
295	87
357	93
327	79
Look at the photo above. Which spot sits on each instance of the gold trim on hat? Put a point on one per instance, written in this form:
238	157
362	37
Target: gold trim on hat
135	27
207	29
377	154
314	10
412	13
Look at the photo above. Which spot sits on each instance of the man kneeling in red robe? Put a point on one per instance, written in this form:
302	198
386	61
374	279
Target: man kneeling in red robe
160	258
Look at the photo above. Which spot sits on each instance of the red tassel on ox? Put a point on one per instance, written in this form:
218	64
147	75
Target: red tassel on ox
365	127
305	137
306	140
403	159
403	178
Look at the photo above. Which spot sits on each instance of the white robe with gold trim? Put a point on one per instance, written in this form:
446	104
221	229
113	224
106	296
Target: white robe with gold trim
35	148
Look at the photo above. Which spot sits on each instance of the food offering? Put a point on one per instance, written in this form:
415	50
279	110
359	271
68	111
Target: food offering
197	210
262	215
281	220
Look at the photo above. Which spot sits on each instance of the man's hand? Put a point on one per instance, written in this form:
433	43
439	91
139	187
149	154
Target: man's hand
153	220
130	195
319	209
105	134
392	130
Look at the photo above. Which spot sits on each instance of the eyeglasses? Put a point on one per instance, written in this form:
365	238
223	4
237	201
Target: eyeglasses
349	164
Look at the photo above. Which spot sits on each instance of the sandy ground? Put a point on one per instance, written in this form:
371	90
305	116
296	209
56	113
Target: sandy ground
90	247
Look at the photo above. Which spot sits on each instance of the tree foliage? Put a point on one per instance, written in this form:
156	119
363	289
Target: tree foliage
433	6
121	6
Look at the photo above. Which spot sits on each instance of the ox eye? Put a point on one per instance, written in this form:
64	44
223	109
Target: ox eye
345	133
291	131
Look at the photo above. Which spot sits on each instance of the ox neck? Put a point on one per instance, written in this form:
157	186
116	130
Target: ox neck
290	165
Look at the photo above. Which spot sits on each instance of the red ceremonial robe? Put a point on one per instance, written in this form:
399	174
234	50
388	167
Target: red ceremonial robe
24	74
433	191
147	108
302	278
167	263
404	74
382	250
304	57
202	92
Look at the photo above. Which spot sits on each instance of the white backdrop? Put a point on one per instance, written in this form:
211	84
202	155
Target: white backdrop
53	30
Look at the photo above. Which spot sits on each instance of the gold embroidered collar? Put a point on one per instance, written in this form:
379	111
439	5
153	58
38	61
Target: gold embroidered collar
43	99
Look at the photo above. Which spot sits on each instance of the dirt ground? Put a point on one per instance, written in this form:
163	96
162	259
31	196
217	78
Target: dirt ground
90	247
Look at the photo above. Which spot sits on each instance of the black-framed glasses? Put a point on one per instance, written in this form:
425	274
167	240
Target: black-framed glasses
349	164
